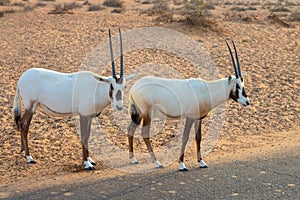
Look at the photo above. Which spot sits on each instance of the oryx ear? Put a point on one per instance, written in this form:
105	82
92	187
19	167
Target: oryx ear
229	78
244	74
103	79
132	76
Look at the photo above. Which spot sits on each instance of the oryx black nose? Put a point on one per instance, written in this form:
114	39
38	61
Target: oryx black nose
119	108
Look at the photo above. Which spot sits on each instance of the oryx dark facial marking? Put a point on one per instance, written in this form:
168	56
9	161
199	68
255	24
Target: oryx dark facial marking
117	85
237	92
119	95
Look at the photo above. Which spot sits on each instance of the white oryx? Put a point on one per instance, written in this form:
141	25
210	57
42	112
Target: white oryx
82	93
190	99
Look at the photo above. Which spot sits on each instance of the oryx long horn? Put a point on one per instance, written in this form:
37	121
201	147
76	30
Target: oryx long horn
112	56
232	59
237	59
121	55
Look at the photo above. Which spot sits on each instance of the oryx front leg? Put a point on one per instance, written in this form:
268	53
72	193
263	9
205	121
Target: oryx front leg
188	124
145	135
198	136
131	129
85	128
25	122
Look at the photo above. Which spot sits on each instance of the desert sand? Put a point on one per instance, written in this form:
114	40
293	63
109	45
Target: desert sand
269	48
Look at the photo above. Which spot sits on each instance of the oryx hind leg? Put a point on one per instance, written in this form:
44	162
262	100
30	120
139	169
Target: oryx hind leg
25	122
85	128
135	121
131	129
198	137
146	137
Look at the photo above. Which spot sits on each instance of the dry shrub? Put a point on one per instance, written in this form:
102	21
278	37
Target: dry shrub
39	4
195	13
4	2
65	8
277	21
93	8
192	12
280	9
18	4
295	16
114	3
158	8
118	10
2	12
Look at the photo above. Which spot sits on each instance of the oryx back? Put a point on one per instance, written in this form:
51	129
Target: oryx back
52	90
170	98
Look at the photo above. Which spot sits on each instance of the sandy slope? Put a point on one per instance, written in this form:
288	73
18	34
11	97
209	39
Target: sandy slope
270	54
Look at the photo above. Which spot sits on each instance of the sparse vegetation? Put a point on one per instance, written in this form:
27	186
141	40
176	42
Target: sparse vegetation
241	9
280	9
20	4
93	8
65	8
195	13
114	3
192	12
4	2
295	16
39	4
158	8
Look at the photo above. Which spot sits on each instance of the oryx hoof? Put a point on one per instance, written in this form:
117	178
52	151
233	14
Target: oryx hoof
32	162
158	164
93	163
183	170
203	164
89	168
133	160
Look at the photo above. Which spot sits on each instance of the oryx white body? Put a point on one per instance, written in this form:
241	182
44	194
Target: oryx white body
62	93
190	99
178	98
81	93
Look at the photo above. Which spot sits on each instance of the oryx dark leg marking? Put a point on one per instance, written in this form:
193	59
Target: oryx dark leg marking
198	137
145	134
25	122
135	121
186	133
131	129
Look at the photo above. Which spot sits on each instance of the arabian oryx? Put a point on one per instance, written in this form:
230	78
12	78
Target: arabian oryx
190	99
82	93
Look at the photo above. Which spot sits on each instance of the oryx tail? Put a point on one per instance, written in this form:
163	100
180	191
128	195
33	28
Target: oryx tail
17	112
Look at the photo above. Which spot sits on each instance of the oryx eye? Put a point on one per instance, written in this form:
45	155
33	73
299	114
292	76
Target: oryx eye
111	87
238	87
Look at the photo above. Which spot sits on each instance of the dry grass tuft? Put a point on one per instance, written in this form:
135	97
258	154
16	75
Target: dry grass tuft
158	8
65	8
277	21
114	3
4	2
94	8
295	17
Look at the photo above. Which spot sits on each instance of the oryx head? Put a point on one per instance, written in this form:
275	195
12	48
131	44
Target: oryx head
117	83
237	92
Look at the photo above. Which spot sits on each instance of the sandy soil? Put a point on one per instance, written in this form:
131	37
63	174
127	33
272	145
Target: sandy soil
269	50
